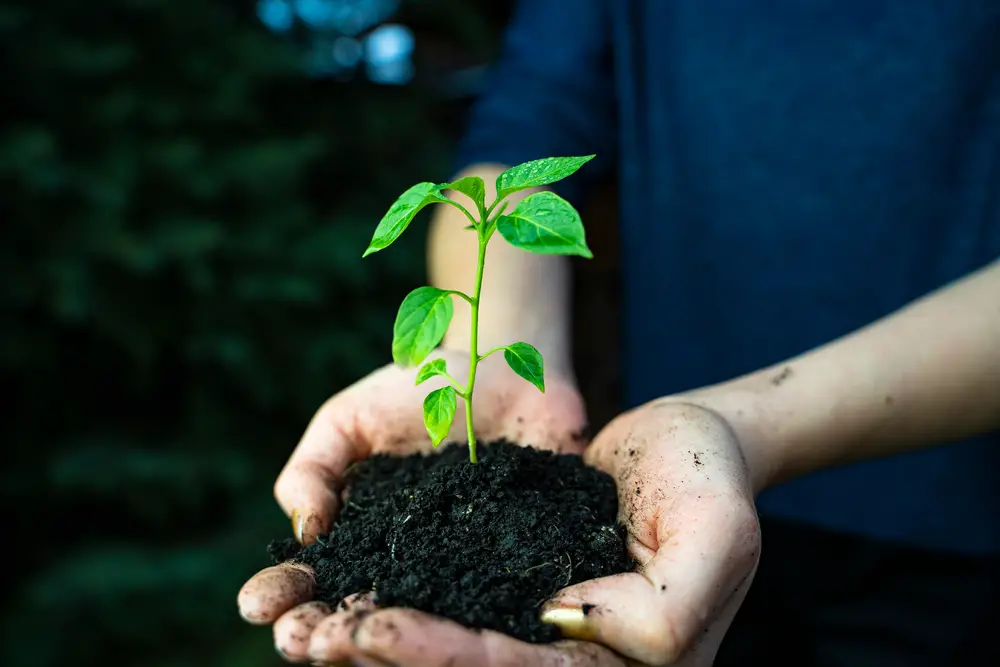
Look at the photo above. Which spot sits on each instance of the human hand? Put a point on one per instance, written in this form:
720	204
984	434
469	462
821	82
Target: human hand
382	413
687	500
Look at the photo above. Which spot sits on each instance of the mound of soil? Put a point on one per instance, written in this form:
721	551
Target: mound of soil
484	545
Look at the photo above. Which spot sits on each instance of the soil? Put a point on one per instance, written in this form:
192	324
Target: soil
483	545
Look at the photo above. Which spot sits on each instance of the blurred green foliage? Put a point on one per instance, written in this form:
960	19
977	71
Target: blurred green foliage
181	225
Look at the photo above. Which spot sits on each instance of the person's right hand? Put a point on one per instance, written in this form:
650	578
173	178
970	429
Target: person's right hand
382	413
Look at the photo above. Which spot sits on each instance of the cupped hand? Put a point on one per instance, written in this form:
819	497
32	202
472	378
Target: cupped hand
382	413
687	500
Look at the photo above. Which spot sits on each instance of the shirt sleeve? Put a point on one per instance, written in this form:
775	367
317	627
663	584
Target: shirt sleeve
551	93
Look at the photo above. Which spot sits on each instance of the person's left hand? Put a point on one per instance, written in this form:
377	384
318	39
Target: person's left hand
686	498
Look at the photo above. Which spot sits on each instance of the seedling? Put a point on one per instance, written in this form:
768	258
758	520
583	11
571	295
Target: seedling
542	223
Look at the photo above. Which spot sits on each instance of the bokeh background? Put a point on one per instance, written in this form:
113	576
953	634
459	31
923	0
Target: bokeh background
186	187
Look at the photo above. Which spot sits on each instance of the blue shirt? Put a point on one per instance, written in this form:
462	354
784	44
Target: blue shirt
788	172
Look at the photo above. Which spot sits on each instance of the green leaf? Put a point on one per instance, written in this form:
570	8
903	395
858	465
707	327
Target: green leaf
401	213
472	186
546	224
526	361
421	323
537	173
431	369
439	413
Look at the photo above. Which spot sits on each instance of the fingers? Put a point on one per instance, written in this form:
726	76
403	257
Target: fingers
273	591
308	488
330	640
293	630
412	638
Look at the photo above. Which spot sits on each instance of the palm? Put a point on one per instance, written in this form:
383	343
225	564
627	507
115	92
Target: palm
687	502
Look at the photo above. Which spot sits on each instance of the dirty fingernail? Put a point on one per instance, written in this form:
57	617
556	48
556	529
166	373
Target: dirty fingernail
307	527
298	524
572	620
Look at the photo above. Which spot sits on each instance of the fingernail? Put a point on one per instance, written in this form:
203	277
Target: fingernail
572	620
306	527
298	524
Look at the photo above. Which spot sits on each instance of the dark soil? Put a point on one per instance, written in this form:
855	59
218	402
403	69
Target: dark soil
484	545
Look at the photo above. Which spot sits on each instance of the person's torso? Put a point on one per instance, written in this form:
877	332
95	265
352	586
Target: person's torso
789	172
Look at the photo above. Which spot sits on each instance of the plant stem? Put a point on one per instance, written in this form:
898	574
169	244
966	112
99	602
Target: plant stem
474	343
483	357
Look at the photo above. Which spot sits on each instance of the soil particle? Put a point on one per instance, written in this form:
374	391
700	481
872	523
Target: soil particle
483	545
785	373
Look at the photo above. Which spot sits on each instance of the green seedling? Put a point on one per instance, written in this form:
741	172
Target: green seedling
542	223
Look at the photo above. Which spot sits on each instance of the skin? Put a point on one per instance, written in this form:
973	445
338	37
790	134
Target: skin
925	375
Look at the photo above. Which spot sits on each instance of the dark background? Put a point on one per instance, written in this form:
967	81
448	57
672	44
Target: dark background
186	187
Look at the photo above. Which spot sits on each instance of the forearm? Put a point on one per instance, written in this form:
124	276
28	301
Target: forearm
525	297
925	375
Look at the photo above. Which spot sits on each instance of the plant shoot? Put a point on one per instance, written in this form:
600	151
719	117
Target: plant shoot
542	223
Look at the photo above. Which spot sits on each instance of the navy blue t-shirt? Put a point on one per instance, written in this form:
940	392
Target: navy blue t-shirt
788	172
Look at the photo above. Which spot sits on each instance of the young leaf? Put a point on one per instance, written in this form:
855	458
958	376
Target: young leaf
472	186
439	413
538	172
431	369
401	213
526	361
421	323
546	224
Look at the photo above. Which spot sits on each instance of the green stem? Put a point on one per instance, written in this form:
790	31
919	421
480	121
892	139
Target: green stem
495	203
462	209
462	295
454	383
474	343
483	357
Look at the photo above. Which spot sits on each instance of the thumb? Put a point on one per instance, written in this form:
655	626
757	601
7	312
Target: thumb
659	613
308	488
